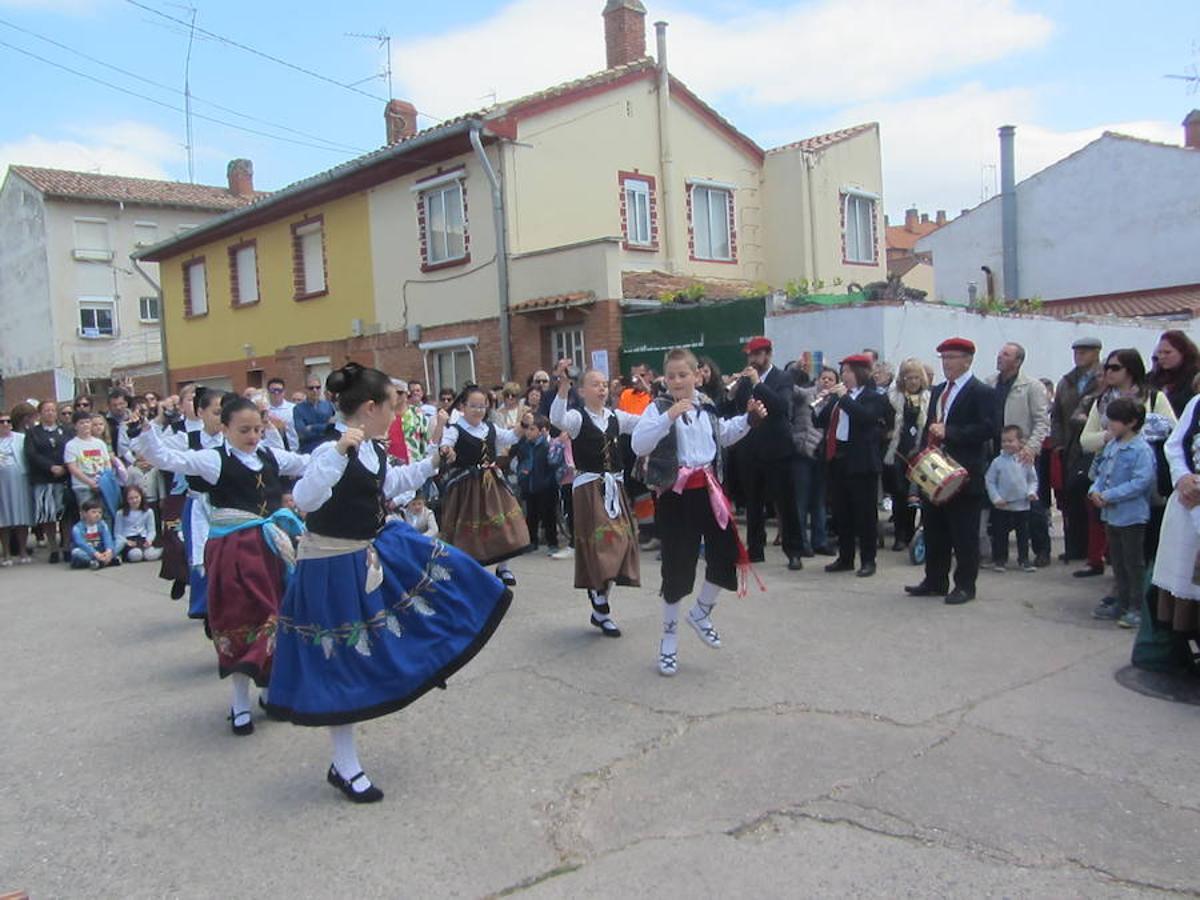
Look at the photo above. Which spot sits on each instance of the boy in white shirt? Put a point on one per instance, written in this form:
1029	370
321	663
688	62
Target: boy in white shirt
87	458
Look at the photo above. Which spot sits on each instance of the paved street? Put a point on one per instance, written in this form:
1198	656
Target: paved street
846	740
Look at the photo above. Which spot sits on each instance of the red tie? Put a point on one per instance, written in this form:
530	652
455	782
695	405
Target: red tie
945	401
831	434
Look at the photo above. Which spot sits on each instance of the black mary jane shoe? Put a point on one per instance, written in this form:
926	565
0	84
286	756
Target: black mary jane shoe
346	786
247	727
607	627
507	577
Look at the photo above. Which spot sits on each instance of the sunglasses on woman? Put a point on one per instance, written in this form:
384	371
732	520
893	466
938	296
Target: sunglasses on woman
1113	367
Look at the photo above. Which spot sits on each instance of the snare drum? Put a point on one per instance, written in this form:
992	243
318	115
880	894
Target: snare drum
937	475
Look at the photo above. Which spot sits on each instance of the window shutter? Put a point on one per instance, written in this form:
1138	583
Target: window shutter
197	289
313	256
246	262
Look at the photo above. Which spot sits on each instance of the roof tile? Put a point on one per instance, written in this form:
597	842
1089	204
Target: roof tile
821	141
557	301
64	183
1183	299
653	285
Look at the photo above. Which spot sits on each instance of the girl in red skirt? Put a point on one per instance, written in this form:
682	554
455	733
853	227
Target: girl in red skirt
248	549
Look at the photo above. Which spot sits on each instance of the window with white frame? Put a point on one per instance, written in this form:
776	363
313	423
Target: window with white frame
567	343
91	239
195	288
244	261
637	212
445	228
145	233
710	222
97	317
148	309
859	229
453	368
308	246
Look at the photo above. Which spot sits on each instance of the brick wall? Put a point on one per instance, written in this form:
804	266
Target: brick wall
19	388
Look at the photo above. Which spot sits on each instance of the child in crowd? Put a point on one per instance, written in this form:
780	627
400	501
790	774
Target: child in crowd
91	538
420	517
681	437
87	458
1123	478
1011	484
538	462
135	529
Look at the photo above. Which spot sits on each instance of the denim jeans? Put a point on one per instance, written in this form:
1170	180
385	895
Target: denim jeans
809	477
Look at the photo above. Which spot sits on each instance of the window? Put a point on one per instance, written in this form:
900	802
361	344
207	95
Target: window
144	234
858	229
308	258
96	317
147	309
637	212
453	368
445	228
710	215
243	273
91	240
568	344
195	289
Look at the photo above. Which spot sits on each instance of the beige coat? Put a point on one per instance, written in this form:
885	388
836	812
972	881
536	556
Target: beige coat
1027	407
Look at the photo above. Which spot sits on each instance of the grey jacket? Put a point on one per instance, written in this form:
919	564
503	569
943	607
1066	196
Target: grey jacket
807	436
1028	407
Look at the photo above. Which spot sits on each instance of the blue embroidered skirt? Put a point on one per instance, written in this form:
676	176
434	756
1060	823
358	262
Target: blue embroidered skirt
197	579
345	655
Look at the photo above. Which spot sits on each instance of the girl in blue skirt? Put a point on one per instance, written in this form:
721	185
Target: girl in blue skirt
376	614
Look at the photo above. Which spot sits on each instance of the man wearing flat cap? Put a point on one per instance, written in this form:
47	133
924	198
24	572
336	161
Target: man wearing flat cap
1068	415
962	412
766	454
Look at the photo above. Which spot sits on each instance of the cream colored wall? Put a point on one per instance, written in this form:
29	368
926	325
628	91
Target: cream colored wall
404	295
592	266
852	163
920	277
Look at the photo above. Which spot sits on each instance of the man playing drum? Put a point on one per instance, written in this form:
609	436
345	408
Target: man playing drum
961	423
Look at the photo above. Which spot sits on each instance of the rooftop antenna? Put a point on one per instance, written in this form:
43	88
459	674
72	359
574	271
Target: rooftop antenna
1191	74
187	90
384	41
987	181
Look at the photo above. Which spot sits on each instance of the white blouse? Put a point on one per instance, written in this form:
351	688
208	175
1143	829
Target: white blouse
326	468
571	420
206	464
505	437
693	438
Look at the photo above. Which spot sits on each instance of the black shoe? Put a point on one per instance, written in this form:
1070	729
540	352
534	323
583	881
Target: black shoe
247	726
370	795
1089	572
958	596
507	577
53	557
807	553
177	589
899	545
1063	558
795	564
607	627
1041	560
866	570
757	557
924	590
840	566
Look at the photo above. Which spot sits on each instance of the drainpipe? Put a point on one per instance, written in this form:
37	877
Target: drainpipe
809	159
666	164
500	225
1008	213
162	322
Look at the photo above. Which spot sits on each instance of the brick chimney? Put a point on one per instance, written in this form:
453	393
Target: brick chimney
624	32
400	117
910	219
1191	130
240	173
940	218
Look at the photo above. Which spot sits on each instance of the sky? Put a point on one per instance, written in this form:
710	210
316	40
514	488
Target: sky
940	76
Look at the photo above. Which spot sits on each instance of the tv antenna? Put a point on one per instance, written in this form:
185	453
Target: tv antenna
384	42
1191	74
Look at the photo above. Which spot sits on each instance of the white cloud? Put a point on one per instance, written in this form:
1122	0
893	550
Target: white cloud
943	152
118	148
854	50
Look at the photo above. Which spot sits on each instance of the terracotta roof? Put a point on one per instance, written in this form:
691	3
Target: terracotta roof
120	189
558	301
904	265
1183	299
899	237
653	285
821	141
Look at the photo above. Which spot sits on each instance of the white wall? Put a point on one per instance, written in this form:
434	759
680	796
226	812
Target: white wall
1119	215
915	329
28	342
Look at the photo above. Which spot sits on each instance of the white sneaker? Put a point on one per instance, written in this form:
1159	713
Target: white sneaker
564	553
704	628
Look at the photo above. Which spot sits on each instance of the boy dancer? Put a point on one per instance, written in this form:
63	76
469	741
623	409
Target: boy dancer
681	438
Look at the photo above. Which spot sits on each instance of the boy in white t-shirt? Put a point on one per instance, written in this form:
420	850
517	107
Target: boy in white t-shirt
86	457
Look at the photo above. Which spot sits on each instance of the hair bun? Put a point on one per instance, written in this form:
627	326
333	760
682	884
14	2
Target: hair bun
342	379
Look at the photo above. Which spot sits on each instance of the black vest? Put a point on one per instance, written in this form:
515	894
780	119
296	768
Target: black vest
660	467
238	487
595	450
355	509
470	451
196	442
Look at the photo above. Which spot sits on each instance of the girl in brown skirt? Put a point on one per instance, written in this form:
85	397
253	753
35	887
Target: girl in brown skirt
480	515
606	547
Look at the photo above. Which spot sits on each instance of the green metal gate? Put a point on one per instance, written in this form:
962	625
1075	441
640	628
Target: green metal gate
719	330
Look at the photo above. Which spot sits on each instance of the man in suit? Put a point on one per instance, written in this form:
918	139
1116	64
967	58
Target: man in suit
766	454
854	426
962	416
1022	401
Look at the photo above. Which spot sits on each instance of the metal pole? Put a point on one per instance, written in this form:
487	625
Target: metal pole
500	226
1008	213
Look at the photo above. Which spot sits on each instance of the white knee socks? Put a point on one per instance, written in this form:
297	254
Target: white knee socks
241	692
600	607
345	756
705	601
670	636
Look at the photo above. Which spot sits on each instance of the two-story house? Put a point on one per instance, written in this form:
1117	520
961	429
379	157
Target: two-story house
496	242
73	311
